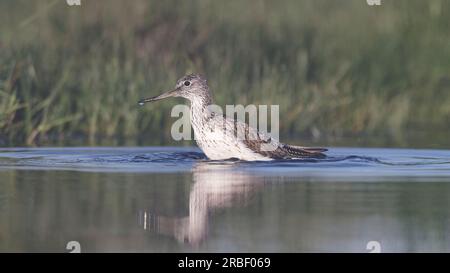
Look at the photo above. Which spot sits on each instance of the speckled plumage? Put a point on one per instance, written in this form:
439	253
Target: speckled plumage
222	137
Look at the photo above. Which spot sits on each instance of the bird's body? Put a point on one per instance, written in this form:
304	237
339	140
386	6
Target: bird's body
221	137
211	135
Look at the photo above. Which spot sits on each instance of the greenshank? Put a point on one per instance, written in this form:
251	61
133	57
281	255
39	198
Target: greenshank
217	135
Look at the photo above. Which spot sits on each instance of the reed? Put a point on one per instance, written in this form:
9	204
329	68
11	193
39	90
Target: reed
73	75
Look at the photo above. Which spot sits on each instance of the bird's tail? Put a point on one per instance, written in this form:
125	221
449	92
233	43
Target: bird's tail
298	151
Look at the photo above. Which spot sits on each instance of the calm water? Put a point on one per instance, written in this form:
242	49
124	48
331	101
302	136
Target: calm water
173	199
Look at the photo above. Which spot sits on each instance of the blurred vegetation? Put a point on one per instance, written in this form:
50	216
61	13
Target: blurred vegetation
72	75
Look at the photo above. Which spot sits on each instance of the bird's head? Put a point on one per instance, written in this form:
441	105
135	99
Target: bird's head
190	87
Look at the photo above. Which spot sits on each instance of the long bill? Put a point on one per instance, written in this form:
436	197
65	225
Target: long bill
171	93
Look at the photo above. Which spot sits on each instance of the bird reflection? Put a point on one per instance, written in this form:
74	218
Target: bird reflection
216	186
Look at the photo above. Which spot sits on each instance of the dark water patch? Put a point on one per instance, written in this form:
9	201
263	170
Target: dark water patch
170	157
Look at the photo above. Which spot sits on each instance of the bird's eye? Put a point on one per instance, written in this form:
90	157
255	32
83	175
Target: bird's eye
187	83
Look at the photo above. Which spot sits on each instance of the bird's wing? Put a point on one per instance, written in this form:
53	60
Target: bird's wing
298	151
264	144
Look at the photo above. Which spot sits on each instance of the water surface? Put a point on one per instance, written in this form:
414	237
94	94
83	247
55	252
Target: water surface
168	199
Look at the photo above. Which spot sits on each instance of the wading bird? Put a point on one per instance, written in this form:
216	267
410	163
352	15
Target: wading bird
218	136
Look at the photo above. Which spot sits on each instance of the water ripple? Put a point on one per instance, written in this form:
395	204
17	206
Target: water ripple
339	161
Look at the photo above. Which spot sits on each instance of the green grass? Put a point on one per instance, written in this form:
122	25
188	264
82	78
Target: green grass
336	68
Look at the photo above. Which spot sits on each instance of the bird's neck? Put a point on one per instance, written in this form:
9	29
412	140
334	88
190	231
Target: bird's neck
200	111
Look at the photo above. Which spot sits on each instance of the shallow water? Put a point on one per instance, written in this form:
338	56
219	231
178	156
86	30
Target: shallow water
173	199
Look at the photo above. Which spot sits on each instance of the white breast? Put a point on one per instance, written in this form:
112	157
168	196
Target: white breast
218	146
